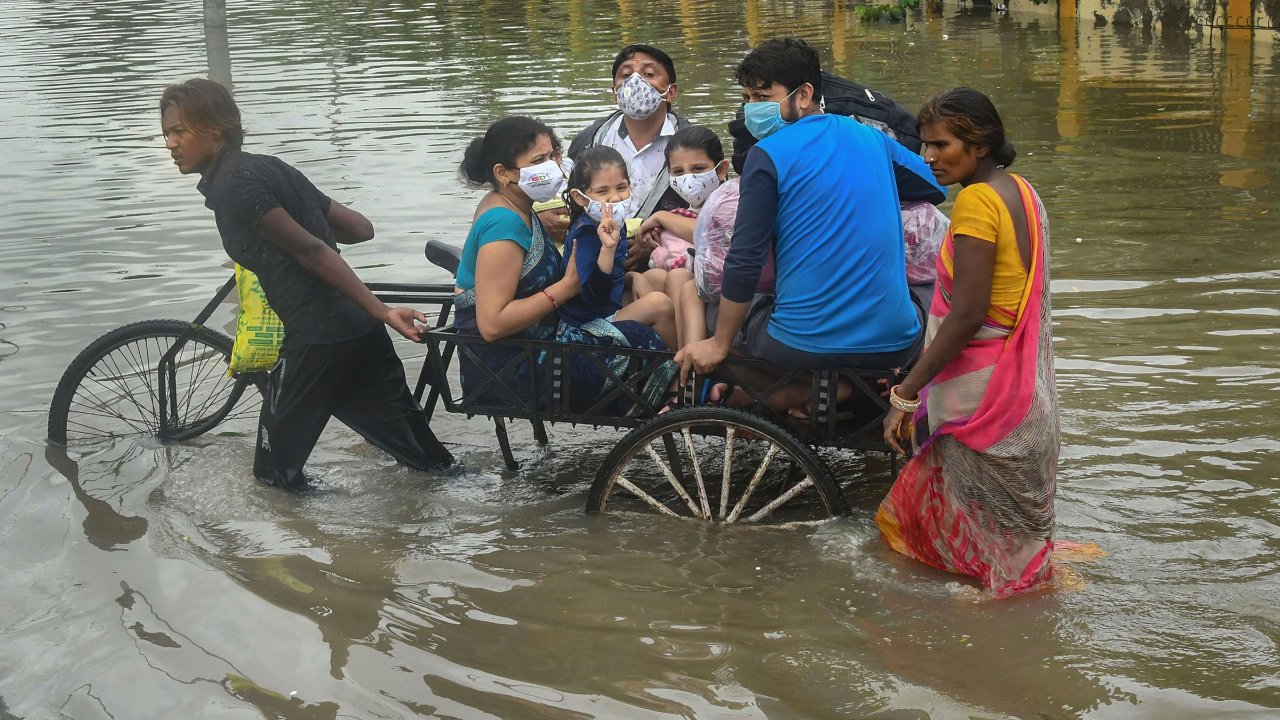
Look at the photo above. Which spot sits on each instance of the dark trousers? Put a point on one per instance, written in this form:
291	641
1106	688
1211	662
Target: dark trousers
359	381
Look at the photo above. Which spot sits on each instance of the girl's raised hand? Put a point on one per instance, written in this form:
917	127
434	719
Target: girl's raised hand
609	232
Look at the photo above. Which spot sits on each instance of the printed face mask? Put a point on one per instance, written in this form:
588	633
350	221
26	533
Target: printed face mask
541	182
765	118
595	209
695	188
637	99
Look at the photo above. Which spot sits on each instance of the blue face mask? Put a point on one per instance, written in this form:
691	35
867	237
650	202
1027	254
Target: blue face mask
765	118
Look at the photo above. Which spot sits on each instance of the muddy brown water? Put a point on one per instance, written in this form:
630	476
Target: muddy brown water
145	581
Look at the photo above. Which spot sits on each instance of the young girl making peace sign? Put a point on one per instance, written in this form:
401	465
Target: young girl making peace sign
599	196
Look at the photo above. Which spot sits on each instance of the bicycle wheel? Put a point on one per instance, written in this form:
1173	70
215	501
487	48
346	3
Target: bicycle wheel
115	385
718	465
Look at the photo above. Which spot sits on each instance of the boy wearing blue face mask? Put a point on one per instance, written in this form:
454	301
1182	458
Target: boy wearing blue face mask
822	192
600	199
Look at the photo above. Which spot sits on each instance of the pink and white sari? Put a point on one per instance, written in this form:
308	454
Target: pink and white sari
977	498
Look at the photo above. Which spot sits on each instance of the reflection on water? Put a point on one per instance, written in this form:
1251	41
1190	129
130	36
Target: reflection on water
145	581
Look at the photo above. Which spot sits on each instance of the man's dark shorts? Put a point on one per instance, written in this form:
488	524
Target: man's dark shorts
754	340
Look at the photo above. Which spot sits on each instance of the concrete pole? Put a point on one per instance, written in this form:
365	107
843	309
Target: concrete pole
217	49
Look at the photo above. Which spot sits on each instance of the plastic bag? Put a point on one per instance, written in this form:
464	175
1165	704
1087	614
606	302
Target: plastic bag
924	227
712	236
259	331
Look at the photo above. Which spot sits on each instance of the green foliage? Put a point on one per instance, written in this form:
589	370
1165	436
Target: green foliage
885	12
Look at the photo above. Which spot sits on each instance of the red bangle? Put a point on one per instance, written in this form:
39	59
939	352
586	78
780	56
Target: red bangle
552	299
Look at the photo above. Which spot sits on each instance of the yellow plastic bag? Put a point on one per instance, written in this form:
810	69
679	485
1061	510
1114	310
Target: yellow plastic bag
259	331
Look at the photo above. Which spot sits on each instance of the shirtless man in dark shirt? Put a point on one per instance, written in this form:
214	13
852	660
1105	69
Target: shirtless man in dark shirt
336	359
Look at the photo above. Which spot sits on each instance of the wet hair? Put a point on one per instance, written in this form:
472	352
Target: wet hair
697	137
972	117
630	51
206	107
784	61
504	141
589	162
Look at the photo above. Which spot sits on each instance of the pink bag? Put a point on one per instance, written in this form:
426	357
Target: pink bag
672	252
924	227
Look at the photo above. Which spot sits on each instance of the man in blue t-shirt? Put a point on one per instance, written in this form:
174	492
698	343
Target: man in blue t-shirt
822	194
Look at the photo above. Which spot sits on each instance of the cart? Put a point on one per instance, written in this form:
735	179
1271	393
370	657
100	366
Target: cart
169	380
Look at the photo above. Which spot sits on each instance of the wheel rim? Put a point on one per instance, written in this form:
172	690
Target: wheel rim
723	471
119	395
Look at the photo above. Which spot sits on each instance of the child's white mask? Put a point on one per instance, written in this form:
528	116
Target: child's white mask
695	188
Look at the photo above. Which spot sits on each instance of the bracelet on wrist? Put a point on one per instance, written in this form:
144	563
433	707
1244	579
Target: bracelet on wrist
906	406
552	298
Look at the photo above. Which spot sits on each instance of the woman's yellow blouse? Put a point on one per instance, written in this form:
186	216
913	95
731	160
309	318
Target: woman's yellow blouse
979	212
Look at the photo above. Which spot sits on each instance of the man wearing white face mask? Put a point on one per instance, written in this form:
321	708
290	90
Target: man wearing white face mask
644	83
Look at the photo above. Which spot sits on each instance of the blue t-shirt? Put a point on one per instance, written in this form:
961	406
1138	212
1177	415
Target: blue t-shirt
824	194
601	293
496	223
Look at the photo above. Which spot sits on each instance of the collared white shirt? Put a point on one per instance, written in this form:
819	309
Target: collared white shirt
643	164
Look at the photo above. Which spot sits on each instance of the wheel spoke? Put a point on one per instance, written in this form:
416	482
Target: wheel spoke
205	368
211	398
697	472
751	486
729	436
108	406
199	375
144	370
671	478
93	432
793	491
646	497
122	390
93	411
121	394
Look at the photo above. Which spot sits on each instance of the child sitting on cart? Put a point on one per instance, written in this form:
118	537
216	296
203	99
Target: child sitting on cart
599	197
698	167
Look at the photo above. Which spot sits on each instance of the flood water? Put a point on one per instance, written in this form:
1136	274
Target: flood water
147	581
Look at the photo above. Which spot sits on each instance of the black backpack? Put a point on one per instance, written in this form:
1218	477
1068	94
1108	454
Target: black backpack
844	97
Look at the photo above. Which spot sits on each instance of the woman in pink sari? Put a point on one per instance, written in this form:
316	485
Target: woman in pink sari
980	406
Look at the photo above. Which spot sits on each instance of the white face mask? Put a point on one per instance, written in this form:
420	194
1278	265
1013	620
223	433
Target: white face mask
637	99
595	209
541	182
695	188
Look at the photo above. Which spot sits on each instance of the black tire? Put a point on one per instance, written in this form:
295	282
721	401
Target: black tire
635	474
111	389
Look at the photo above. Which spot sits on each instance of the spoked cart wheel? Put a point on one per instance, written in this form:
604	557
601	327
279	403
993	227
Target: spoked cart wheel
166	379
719	465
